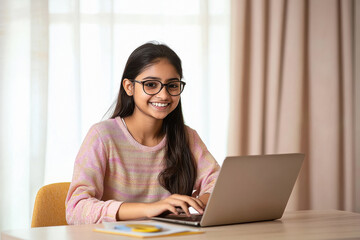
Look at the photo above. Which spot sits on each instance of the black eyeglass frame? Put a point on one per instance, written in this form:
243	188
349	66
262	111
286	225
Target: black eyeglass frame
182	86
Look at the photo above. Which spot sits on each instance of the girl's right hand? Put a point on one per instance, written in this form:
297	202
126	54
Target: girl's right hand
171	204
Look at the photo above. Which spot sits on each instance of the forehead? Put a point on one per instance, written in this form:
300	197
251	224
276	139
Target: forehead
161	69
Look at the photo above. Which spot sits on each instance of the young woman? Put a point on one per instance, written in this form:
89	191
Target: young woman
142	161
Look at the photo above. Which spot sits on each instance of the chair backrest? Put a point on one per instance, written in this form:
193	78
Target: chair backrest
49	207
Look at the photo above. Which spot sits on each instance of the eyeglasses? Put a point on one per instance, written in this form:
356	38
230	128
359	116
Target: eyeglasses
153	87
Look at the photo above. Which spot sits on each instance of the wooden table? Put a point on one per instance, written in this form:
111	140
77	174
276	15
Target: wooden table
329	224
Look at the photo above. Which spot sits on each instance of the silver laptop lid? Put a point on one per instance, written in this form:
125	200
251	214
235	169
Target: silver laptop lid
252	188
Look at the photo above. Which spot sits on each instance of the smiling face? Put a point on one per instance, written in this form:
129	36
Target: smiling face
156	106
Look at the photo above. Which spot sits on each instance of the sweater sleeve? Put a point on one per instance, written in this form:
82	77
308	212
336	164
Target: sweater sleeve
207	167
83	202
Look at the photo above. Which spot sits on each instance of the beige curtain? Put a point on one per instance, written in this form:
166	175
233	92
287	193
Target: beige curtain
292	91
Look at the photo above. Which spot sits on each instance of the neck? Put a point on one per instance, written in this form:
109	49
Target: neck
145	131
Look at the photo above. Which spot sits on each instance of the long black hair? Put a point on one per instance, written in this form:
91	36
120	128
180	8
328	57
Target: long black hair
179	174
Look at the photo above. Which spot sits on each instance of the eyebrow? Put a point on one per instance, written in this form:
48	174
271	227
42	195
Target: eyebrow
157	78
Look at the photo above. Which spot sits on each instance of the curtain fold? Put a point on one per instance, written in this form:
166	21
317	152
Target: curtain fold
39	74
291	91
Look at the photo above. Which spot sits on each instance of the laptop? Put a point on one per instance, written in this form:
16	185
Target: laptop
248	189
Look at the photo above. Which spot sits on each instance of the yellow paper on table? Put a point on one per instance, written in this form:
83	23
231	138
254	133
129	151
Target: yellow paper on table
145	230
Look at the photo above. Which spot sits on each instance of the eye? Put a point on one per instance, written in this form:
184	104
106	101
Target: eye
174	85
151	84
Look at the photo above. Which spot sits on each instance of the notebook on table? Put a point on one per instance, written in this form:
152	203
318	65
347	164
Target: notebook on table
248	189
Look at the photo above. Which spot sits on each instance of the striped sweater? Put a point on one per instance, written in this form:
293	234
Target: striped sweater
112	167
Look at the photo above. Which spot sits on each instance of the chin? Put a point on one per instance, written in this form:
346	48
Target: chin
160	117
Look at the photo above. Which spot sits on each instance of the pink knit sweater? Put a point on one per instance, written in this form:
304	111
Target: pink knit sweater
112	167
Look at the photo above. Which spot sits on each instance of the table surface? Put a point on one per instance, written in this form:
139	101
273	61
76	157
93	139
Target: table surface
321	224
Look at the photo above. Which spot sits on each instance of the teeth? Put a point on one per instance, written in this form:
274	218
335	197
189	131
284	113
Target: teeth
160	104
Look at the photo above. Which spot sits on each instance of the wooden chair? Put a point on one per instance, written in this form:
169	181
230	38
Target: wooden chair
49	207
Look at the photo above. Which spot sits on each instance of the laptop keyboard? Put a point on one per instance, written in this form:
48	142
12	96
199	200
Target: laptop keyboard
184	217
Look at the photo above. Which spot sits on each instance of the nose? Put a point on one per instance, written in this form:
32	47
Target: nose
163	93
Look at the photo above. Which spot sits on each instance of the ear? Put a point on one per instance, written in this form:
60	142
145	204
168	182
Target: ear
128	86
